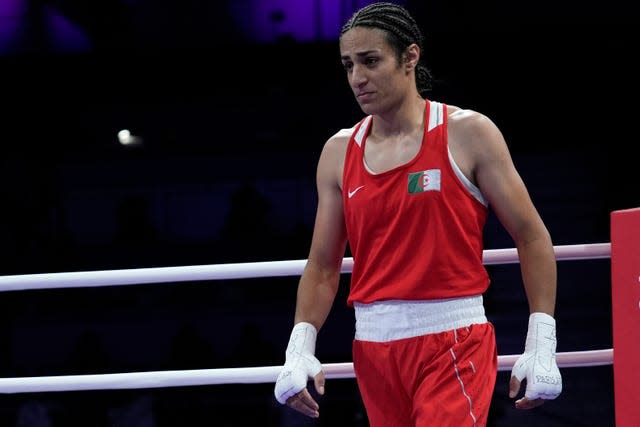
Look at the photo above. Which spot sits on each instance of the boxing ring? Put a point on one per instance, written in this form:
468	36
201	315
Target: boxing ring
622	250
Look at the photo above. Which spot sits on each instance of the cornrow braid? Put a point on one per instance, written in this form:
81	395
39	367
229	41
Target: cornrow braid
401	29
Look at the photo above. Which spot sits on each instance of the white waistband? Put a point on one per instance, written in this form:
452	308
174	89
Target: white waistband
390	320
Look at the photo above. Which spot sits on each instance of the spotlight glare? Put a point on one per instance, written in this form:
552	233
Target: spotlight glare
125	138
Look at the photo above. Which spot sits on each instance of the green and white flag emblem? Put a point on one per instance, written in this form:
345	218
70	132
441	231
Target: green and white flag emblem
428	180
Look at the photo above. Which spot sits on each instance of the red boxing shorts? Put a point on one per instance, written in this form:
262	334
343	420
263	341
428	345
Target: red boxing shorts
444	379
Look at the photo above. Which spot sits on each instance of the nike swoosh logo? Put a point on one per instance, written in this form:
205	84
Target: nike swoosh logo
351	193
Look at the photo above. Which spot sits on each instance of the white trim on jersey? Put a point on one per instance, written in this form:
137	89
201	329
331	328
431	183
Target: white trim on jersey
475	191
360	135
436	115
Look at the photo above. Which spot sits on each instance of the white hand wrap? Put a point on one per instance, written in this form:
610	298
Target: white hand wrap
300	363
538	363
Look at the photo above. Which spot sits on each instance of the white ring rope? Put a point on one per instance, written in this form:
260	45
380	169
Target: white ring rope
257	375
264	374
84	279
154	379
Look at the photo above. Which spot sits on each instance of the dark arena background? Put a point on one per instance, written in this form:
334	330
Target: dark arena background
227	105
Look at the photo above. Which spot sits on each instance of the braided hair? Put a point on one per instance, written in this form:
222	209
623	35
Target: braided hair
401	29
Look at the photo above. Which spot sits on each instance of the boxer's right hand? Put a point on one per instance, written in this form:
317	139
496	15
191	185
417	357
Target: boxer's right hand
300	365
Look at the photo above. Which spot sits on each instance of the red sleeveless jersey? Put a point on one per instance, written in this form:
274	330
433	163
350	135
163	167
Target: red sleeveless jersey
415	231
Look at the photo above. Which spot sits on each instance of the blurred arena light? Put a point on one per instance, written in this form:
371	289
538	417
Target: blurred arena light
126	138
